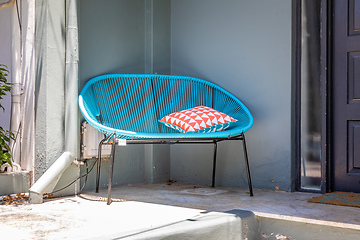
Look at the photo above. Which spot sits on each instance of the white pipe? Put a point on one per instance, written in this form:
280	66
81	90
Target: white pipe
49	179
16	80
7	4
71	80
28	84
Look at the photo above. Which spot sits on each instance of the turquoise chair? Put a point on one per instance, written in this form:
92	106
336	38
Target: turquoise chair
129	106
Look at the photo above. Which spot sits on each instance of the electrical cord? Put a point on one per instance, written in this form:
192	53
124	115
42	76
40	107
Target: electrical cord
16	138
85	175
82	188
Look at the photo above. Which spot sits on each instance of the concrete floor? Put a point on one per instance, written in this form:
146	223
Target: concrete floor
140	210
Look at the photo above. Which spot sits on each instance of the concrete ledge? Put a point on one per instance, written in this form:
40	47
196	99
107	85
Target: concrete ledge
12	183
235	224
280	215
287	228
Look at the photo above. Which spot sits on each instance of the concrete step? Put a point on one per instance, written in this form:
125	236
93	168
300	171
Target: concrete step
277	227
245	225
232	225
279	215
15	182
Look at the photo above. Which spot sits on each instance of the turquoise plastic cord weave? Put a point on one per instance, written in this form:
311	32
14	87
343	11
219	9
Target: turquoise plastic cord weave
132	104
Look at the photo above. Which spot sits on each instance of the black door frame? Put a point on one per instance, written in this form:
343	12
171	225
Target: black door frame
325	93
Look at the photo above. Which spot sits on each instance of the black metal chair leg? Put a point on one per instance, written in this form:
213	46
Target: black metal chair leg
111	170
214	165
98	168
99	164
247	166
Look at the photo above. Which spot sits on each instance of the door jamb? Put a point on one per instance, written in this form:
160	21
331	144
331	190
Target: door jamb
325	96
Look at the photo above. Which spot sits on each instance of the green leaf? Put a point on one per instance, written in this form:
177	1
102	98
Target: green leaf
8	160
7	147
6	138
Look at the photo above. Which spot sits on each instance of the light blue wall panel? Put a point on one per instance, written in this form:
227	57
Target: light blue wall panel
245	47
112	40
161	36
126	36
111	37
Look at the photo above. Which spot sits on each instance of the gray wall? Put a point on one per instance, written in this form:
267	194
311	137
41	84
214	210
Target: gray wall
49	90
126	36
111	35
123	36
245	47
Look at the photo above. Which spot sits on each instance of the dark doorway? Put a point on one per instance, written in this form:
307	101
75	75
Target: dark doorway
345	96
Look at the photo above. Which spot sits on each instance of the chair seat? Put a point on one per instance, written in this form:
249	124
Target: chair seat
131	105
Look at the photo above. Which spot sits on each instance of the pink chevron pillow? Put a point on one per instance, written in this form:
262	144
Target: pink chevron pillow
198	120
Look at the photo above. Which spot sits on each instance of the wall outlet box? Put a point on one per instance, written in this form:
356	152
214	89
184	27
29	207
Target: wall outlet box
90	139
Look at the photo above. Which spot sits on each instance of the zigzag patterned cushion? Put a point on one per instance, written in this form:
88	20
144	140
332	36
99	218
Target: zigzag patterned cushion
199	119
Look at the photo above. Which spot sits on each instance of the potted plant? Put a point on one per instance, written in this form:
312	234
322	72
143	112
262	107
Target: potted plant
5	135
